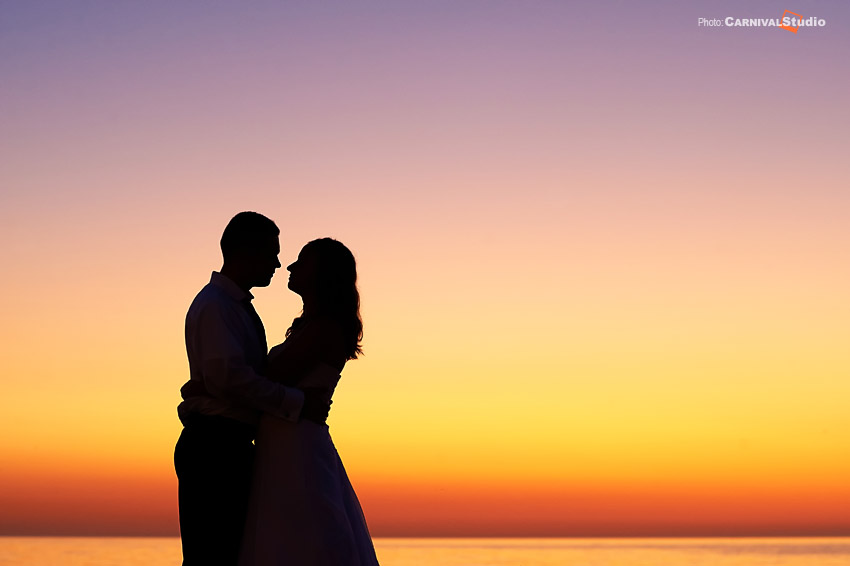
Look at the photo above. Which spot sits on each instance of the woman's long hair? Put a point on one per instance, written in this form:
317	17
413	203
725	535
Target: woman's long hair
336	290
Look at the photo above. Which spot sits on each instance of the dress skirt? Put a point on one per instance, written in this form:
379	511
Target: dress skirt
303	510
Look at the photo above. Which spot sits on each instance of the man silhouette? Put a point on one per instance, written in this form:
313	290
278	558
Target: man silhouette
226	393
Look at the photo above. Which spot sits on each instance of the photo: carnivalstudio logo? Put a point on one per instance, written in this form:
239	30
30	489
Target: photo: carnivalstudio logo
790	21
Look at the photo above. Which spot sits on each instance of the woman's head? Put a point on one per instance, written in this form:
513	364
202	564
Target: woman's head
325	275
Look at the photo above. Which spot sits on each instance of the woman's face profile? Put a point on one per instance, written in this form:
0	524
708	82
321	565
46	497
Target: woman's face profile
302	273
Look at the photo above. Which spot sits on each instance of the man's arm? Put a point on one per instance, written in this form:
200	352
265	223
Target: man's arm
228	375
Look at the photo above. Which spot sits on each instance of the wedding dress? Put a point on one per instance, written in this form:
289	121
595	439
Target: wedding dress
303	510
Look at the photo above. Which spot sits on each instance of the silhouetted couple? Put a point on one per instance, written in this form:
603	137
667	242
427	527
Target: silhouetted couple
260	482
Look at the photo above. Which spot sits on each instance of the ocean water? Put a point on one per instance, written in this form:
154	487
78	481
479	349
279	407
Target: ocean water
44	551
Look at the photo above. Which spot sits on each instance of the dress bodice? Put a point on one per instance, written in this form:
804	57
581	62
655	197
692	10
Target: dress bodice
322	375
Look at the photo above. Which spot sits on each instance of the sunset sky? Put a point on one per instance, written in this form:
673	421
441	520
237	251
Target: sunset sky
603	254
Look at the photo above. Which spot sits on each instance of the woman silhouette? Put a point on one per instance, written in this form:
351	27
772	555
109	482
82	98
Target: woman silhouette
303	509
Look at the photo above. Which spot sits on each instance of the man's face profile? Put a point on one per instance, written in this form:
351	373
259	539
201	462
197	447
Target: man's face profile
264	261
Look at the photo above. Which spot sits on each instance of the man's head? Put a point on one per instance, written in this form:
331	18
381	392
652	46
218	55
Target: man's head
250	247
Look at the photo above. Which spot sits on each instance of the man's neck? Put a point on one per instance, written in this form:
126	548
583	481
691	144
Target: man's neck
237	277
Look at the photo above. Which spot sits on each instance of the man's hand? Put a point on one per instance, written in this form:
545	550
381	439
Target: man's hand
193	388
316	407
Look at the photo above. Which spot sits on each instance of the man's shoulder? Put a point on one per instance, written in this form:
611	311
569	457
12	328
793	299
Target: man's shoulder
209	296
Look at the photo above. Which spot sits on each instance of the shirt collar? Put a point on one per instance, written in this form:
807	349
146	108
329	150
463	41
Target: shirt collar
231	288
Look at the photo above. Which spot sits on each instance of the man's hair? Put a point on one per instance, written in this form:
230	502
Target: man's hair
246	230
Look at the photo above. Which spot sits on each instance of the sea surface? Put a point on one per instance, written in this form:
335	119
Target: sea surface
49	551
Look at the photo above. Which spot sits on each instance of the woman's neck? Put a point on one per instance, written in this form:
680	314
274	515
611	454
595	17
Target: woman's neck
309	309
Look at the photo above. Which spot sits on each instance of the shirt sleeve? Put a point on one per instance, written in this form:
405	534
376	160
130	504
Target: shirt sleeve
227	374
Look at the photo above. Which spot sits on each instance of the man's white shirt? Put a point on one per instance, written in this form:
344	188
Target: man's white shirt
226	355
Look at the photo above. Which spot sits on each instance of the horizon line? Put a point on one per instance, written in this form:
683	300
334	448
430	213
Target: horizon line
481	537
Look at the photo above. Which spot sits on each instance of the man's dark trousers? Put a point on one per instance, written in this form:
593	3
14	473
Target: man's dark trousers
214	460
